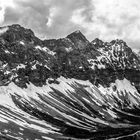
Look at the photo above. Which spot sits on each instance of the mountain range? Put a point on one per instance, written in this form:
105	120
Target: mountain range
67	88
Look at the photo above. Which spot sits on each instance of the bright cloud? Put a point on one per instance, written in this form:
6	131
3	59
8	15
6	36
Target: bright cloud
3	5
111	19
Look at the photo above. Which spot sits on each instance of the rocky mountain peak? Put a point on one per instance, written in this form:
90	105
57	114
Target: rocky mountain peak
16	33
76	33
97	43
78	39
18	28
118	42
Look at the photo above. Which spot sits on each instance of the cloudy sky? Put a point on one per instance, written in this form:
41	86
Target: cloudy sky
105	19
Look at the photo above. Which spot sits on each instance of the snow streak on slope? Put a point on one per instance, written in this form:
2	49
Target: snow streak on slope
3	30
124	92
71	109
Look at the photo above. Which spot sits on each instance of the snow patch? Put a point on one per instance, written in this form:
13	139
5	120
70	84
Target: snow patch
3	30
68	49
21	66
6	51
22	43
45	49
125	85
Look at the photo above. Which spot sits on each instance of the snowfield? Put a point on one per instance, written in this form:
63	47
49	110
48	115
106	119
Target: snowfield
51	111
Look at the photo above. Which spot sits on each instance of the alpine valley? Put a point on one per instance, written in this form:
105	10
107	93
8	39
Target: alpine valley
68	88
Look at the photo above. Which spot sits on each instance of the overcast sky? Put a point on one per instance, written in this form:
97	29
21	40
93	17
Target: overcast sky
105	19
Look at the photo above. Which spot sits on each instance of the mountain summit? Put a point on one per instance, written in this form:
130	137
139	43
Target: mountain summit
78	39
